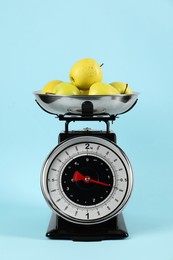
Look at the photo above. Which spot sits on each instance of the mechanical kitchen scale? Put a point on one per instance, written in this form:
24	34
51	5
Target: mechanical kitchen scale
87	179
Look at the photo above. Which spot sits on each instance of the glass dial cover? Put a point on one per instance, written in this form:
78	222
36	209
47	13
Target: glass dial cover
87	180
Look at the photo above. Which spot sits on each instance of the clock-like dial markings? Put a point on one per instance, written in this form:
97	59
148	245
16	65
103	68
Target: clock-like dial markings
87	180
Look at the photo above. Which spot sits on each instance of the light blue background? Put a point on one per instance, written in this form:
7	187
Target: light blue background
40	40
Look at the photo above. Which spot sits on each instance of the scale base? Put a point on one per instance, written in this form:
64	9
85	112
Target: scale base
110	230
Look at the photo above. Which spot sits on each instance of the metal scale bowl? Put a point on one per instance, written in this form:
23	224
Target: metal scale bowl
109	104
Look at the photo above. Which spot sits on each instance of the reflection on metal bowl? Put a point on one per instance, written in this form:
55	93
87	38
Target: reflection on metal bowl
111	104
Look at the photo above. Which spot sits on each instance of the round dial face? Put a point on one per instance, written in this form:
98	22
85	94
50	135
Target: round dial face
87	180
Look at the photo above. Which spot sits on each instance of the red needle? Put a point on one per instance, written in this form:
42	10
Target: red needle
79	177
99	182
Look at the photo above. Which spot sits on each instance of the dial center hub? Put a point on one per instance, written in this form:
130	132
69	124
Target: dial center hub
87	179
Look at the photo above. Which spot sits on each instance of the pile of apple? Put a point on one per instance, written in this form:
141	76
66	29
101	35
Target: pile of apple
85	79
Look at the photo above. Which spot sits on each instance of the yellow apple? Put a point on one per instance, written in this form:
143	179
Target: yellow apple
84	92
49	87
65	88
85	72
123	88
101	88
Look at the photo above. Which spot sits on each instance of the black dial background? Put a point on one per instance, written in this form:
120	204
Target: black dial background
87	193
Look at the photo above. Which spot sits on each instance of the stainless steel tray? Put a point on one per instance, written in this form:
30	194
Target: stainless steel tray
111	104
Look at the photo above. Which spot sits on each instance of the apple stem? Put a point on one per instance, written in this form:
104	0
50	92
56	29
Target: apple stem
125	88
101	64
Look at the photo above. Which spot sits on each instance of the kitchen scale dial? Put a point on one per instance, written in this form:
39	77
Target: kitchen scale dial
87	180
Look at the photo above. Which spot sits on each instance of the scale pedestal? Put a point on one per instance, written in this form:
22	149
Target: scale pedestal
110	230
